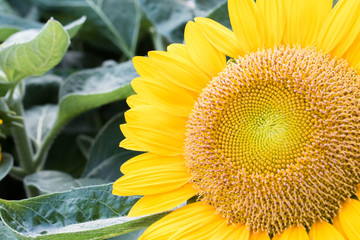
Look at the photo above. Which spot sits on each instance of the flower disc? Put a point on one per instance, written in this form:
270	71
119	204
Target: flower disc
274	140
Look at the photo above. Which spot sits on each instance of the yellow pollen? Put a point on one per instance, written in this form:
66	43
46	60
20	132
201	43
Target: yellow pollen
274	140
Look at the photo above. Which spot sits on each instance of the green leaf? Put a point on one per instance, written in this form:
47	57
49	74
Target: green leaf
118	21
6	233
10	24
39	121
92	88
83	213
129	236
64	154
168	17
5	165
84	143
89	89
106	156
48	181
5	86
122	20
205	7
221	15
73	27
32	53
5	7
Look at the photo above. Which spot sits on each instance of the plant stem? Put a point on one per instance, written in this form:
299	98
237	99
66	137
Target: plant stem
18	173
22	141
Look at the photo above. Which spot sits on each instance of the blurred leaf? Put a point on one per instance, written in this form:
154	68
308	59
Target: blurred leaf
21	7
10	24
39	121
78	60
129	236
89	89
168	17
6	164
73	27
41	90
84	143
221	15
6	233
65	155
92	88
118	20
106	156
83	213
48	181
5	7
28	54
205	7
4	86
122	20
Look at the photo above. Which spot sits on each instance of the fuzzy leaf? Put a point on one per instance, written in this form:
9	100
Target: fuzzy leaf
33	52
6	233
73	27
92	88
6	164
168	17
82	213
48	181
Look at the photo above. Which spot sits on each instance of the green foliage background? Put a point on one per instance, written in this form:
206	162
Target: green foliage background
65	73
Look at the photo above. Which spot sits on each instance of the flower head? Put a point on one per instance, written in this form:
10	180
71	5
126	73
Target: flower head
268	142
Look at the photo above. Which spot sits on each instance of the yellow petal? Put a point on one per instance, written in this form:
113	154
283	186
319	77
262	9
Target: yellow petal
352	54
148	160
348	219
154	131
304	19
341	28
247	23
152	180
259	236
136	100
276	236
228	231
179	71
220	37
165	95
128	144
202	52
274	18
324	231
177	50
294	233
144	67
151	204
194	221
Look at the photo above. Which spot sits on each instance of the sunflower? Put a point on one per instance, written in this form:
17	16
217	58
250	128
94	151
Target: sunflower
261	125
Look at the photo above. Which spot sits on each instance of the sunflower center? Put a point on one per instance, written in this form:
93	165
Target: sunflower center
274	139
264	127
